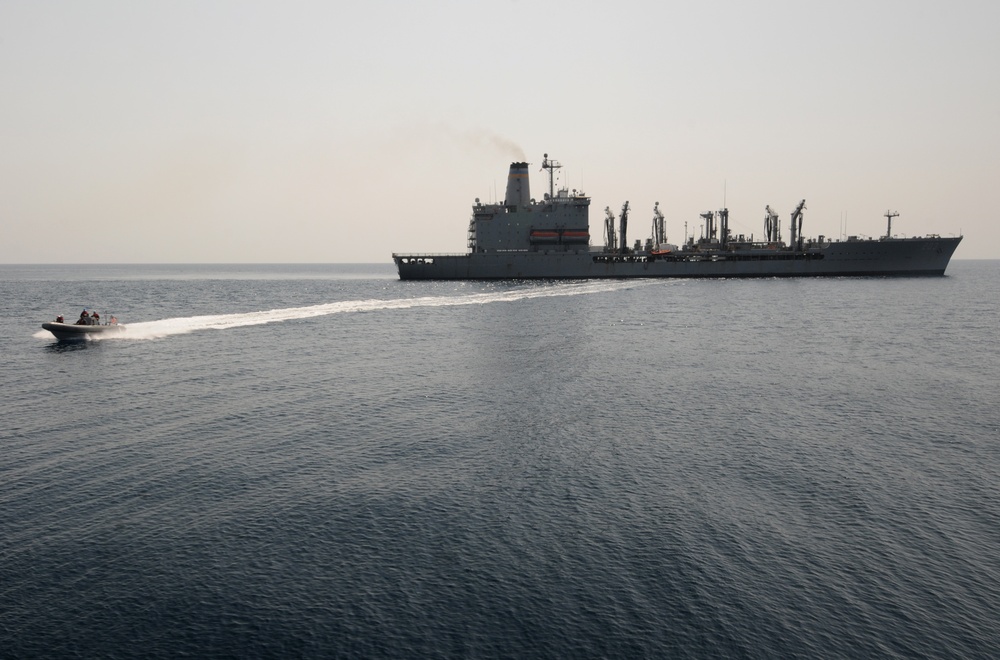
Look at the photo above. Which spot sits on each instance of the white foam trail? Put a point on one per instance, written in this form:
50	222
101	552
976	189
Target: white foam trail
184	325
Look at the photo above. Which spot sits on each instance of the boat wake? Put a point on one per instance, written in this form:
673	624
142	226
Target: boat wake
188	324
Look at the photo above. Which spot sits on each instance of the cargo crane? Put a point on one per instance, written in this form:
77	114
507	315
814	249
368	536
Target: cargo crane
623	228
659	231
709	219
772	228
796	229
610	240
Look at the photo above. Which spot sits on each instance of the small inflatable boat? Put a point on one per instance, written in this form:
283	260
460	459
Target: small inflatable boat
74	332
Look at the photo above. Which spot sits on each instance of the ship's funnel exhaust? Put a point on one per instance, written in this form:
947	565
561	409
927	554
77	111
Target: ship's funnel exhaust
518	190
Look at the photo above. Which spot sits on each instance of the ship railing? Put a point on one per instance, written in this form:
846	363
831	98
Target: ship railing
417	255
410	255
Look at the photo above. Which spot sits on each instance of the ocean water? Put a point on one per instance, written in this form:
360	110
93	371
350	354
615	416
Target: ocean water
323	461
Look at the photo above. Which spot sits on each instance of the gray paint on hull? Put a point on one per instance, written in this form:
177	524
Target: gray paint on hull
911	256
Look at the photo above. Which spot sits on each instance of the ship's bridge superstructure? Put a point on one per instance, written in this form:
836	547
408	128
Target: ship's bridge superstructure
560	222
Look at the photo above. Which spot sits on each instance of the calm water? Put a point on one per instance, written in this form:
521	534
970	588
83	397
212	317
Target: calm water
324	461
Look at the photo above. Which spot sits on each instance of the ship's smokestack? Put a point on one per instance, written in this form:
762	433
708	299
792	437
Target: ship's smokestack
518	190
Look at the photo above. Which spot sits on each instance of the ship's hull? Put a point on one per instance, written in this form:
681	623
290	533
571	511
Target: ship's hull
897	256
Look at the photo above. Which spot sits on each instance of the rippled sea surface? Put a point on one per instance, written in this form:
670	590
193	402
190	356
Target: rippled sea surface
323	461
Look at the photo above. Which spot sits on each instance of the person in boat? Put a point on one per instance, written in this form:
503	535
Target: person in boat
84	318
95	319
59	319
114	321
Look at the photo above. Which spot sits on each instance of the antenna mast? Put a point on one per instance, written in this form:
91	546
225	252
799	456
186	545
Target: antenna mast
551	166
889	215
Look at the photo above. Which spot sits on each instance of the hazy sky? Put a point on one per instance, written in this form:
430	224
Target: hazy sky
344	131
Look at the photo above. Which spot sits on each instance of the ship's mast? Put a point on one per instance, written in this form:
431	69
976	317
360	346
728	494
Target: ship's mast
551	166
889	215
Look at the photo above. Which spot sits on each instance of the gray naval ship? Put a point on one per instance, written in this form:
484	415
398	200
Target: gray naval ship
522	238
